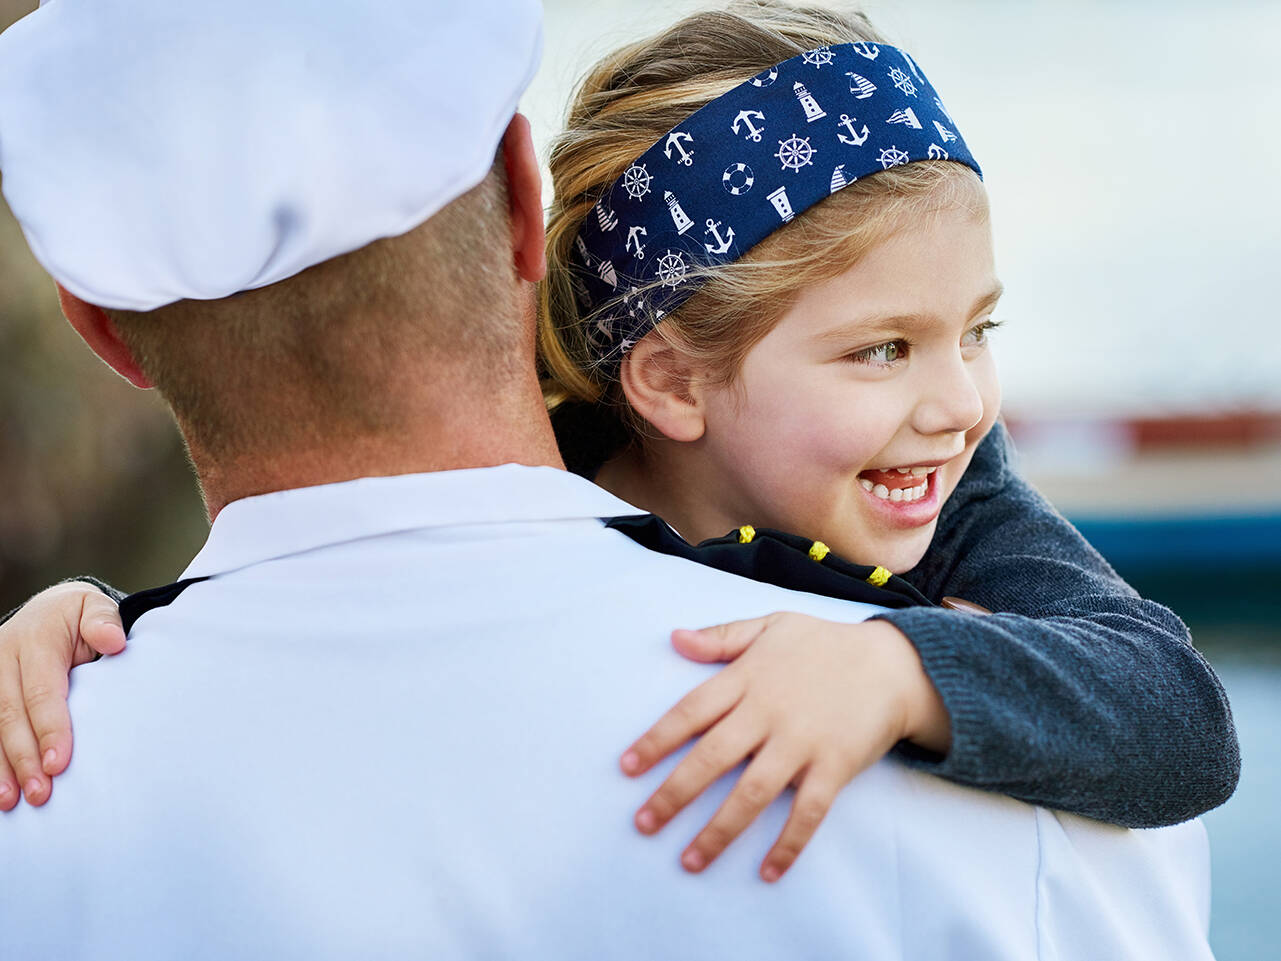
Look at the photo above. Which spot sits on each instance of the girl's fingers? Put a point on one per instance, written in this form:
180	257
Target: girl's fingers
17	740
100	627
812	802
9	793
736	736
721	642
692	715
764	780
44	690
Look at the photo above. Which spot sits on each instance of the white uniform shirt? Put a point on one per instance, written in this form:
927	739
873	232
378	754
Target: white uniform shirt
388	727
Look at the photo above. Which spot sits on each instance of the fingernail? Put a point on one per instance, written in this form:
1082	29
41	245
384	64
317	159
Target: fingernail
49	757
770	873
34	788
631	762
6	791
693	860
647	820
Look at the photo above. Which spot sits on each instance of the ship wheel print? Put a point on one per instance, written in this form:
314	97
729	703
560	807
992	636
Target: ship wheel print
636	181
795	152
819	57
891	157
903	81
671	269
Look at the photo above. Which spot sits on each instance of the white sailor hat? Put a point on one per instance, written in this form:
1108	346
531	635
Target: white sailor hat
159	150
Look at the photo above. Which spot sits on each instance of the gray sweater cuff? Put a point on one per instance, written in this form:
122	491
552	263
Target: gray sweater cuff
106	588
933	632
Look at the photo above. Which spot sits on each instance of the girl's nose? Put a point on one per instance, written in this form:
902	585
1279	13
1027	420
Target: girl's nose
950	400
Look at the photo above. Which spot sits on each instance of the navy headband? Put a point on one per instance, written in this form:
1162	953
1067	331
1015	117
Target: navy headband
740	167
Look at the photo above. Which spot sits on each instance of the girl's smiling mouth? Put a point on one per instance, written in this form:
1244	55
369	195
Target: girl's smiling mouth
898	484
906	497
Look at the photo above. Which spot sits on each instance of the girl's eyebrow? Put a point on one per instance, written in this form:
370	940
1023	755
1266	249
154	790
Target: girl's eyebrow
986	302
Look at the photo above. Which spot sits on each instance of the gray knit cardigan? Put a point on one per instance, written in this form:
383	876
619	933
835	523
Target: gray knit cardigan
1076	694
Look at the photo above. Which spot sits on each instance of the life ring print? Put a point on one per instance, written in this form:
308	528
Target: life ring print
738	179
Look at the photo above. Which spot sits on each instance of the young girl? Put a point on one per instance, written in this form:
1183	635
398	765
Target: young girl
771	285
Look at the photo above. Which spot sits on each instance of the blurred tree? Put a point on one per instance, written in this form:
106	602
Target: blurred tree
93	475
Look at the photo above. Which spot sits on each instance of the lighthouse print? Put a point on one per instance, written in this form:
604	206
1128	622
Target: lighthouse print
679	217
812	110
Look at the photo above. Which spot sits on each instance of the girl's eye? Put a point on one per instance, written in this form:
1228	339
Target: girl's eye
882	355
976	336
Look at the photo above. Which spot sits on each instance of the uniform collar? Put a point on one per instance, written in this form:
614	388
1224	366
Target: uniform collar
268	526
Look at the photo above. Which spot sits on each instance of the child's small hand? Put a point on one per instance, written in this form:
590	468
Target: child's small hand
814	702
57	629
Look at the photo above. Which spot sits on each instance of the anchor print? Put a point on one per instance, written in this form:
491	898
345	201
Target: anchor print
869	50
912	64
674	141
722	243
745	117
633	241
854	140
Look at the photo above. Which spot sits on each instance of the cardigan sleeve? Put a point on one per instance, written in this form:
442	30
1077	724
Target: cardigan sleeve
1078	694
106	588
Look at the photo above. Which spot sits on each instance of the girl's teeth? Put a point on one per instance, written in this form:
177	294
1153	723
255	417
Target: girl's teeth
915	471
898	495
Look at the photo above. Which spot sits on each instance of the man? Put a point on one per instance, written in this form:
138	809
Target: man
379	720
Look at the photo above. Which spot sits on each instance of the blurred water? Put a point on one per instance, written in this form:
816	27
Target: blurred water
1245	834
1130	150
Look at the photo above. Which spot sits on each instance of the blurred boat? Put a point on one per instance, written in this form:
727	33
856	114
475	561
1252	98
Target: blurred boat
1183	492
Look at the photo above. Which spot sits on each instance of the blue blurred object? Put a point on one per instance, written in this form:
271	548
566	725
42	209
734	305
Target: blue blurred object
1171	541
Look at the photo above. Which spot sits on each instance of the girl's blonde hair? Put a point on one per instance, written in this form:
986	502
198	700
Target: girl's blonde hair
624	105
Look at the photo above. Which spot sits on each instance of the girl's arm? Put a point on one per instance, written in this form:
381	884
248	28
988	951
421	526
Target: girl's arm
1078	694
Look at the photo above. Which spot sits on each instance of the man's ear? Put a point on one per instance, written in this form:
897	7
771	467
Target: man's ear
93	324
525	195
663	386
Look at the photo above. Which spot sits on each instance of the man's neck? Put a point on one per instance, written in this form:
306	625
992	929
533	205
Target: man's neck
457	433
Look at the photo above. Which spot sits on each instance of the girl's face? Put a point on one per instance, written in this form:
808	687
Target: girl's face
853	420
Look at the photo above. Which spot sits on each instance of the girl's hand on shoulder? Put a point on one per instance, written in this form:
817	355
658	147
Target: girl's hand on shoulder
60	627
811	702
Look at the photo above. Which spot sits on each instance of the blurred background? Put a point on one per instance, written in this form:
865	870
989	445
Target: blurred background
1130	149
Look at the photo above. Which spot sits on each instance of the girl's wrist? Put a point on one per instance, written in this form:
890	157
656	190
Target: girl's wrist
925	720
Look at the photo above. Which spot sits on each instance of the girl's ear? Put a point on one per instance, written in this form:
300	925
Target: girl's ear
662	385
